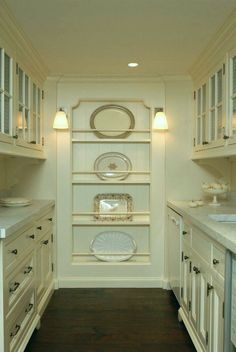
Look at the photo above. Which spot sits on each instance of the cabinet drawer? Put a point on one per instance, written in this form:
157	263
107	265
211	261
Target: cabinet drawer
43	225
18	322
16	249
218	259
18	281
201	244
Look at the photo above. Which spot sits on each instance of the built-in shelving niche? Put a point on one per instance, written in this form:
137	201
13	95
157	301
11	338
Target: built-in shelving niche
86	182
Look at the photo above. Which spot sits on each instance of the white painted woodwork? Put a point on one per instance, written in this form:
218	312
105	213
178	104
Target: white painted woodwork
26	280
202	293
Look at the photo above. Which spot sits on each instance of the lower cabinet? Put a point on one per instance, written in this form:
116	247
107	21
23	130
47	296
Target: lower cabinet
26	281
202	291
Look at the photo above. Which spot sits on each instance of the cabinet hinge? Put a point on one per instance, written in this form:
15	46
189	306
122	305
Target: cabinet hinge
194	95
223	310
42	94
42	141
207	338
51	237
189	305
181	292
190	267
223	69
17	69
52	267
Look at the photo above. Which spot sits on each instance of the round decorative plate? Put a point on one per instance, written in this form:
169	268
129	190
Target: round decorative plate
108	166
14	202
109	243
112	121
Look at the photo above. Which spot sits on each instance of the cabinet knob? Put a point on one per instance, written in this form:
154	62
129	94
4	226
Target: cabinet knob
197	271
50	219
215	261
184	232
186	257
32	236
14	251
15	136
226	137
205	142
45	242
39	227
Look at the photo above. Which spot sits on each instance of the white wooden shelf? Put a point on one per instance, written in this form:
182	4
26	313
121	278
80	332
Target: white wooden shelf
117	182
111	140
111	130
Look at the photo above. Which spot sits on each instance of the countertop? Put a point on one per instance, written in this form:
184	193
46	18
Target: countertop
13	218
224	233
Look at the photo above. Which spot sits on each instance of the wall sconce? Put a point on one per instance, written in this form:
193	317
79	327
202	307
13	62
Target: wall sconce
160	121
60	120
20	119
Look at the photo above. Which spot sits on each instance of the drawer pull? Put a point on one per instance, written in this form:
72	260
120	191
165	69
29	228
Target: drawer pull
14	251
28	270
28	309
39	227
215	261
15	287
186	257
197	271
32	236
184	232
15	332
45	242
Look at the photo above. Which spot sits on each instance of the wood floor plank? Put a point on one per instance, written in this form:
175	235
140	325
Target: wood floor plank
111	320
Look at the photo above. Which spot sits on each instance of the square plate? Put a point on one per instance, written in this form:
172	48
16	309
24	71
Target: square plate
113	206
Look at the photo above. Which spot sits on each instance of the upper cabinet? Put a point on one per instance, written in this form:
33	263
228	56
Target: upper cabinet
22	75
214	78
232	97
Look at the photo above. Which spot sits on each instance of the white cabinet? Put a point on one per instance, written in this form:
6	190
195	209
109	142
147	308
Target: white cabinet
111	175
202	292
26	281
20	110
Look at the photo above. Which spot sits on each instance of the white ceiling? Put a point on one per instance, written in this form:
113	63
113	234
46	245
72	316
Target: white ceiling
99	37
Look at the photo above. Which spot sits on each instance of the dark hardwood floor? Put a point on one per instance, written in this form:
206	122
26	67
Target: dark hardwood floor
111	320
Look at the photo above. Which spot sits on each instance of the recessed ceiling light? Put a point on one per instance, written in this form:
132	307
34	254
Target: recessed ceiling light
132	64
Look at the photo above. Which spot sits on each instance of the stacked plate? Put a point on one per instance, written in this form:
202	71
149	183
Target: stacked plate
14	202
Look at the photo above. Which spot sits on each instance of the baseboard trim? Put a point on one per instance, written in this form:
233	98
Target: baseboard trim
190	330
99	282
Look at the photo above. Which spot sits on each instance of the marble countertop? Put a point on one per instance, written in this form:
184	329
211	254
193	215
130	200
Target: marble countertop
13	218
224	233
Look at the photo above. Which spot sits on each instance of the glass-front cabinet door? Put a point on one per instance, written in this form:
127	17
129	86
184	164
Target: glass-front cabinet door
210	115
201	117
6	96
216	113
28	121
232	98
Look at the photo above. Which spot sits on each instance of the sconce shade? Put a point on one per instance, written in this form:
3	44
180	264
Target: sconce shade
160	121
20	120
60	121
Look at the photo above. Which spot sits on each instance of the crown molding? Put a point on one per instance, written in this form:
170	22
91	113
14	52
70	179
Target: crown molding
118	78
20	46
222	42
